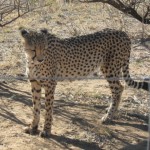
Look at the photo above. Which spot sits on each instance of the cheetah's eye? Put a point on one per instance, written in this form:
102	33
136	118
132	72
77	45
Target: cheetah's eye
24	32
44	31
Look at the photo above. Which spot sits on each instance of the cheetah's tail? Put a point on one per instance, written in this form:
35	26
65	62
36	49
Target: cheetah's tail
130	82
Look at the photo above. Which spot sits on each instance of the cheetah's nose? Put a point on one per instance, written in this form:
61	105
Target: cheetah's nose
40	60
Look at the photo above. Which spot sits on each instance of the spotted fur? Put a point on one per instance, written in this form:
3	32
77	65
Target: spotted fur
51	59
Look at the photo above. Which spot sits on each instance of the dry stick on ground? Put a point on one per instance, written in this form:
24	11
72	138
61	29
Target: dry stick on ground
126	8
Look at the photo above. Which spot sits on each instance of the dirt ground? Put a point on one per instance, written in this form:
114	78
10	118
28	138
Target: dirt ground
78	105
76	122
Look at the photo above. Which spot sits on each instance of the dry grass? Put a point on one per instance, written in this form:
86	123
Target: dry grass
70	20
79	105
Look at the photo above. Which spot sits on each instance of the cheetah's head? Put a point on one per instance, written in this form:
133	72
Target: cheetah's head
35	44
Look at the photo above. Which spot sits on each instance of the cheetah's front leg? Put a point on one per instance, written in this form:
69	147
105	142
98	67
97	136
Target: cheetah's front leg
49	99
36	95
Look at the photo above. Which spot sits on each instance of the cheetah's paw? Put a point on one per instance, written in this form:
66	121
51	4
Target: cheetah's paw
106	119
44	134
30	130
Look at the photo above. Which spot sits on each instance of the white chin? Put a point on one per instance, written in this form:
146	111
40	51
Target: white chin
36	62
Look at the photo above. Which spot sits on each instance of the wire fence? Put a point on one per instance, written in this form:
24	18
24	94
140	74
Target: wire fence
25	77
8	75
148	142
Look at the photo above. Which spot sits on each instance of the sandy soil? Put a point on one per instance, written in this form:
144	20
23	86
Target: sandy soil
79	105
76	122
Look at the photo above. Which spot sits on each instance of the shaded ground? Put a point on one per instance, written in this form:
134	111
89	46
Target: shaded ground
79	105
76	119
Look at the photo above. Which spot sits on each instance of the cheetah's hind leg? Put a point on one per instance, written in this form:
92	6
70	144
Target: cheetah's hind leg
116	90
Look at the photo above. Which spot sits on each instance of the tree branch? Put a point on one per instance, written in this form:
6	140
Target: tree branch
16	9
127	9
12	20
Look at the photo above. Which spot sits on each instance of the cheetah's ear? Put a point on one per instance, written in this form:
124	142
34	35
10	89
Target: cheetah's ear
24	32
44	30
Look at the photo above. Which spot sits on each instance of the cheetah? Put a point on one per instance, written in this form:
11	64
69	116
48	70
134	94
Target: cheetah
51	59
